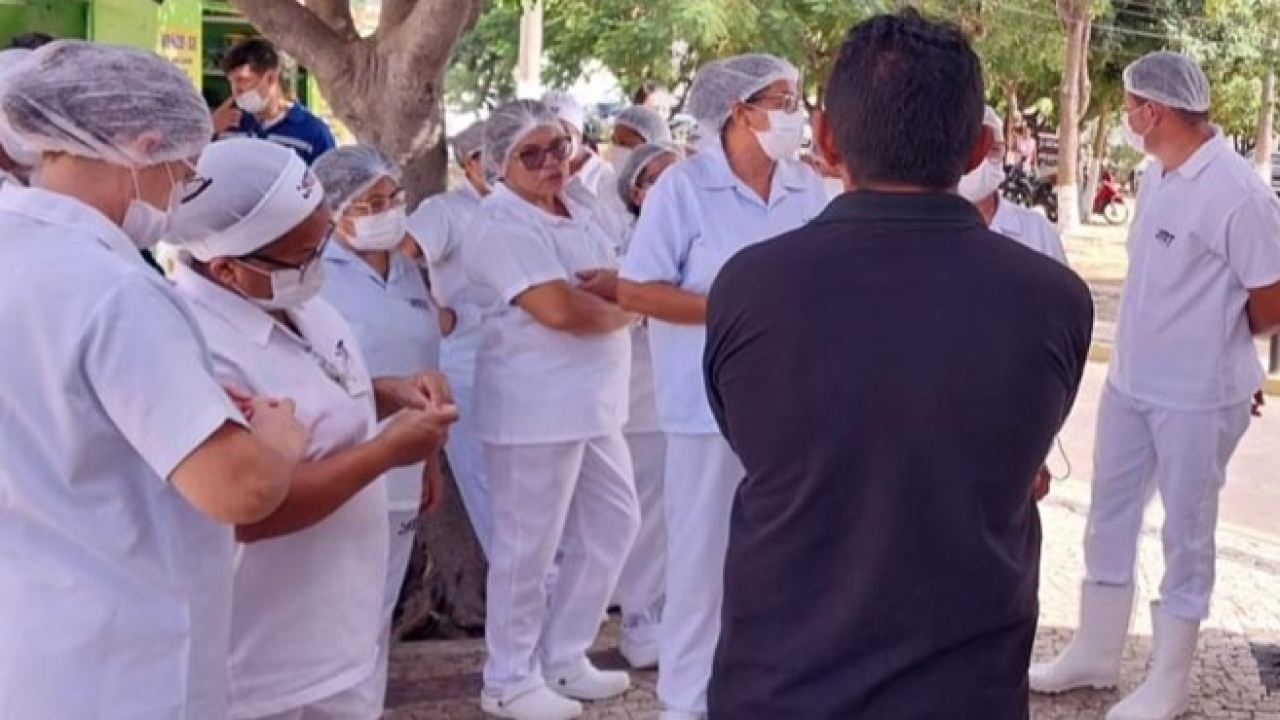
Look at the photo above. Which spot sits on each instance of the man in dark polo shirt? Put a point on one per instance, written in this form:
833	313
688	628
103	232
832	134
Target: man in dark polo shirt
258	107
892	376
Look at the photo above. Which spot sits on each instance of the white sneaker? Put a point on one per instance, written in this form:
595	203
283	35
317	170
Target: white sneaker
585	682
640	656
1166	692
536	703
1092	658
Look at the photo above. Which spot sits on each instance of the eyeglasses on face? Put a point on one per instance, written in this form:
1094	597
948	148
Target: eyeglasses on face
377	203
302	266
786	102
534	157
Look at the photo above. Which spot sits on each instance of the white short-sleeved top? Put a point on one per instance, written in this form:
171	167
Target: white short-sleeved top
642	412
397	327
306	606
596	185
441	225
1202	236
534	384
115	593
1029	228
697	216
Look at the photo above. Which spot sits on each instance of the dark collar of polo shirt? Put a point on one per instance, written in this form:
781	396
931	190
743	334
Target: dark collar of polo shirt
937	208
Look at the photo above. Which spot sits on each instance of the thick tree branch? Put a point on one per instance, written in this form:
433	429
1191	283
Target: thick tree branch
337	15
427	29
298	31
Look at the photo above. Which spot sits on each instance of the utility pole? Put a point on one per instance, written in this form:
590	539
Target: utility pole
529	62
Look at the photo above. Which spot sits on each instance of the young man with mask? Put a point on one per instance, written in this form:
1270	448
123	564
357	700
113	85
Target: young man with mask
1204	280
258	107
883	557
981	186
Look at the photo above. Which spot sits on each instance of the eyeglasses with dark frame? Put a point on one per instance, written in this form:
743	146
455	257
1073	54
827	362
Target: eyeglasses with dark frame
300	266
534	157
378	204
786	102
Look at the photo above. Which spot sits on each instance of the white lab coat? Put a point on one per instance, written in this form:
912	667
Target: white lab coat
1029	228
307	606
115	593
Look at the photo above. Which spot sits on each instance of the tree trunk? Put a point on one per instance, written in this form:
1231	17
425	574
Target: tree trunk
1075	17
1097	158
387	89
1011	113
1265	143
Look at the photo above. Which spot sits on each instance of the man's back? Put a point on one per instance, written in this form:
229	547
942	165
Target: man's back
892	377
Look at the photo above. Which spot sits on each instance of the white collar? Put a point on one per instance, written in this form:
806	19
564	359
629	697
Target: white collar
65	211
237	311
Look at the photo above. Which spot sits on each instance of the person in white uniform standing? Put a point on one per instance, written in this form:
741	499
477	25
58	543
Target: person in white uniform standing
981	187
550	402
744	189
642	585
310	578
381	295
16	159
632	127
592	180
123	463
439	228
1204	278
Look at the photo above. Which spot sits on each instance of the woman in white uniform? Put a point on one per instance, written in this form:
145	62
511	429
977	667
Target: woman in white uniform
123	463
643	583
16	160
310	579
550	399
440	226
380	293
744	189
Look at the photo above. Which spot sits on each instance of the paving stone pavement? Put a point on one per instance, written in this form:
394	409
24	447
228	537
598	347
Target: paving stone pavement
441	680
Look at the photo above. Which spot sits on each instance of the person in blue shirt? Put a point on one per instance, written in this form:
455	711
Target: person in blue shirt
258	107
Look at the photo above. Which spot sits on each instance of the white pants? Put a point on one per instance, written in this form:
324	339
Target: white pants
404	526
1139	449
578	497
702	476
465	454
355	703
642	585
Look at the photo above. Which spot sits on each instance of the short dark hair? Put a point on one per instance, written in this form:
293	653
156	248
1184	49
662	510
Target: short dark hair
30	41
260	55
905	101
1192	117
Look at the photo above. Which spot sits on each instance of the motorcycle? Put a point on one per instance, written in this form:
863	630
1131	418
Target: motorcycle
1109	203
1026	190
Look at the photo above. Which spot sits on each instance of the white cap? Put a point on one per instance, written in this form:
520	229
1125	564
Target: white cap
566	107
722	83
1171	79
254	192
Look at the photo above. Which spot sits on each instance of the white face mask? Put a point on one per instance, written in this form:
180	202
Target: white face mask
619	155
380	232
289	288
251	102
981	182
1131	136
143	222
785	135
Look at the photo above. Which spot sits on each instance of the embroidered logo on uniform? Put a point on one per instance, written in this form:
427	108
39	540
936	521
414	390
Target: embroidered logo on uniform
1165	237
307	185
420	304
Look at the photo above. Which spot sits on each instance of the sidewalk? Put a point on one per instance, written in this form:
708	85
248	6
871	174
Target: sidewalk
441	681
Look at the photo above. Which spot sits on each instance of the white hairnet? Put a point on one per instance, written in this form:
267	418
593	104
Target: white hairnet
13	145
348	172
468	142
567	108
991	119
722	83
127	107
637	162
254	192
510	124
646	122
1171	79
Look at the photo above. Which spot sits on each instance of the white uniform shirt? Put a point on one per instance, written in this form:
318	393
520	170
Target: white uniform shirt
396	325
535	384
697	216
1029	228
596	185
441	225
115	593
642	414
307	607
1203	235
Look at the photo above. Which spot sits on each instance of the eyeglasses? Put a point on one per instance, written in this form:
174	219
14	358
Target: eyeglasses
787	102
299	266
535	157
377	204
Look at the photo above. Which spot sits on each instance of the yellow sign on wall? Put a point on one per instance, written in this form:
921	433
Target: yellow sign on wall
181	36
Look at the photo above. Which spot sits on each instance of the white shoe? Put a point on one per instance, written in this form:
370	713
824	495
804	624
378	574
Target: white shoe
640	656
1092	658
536	703
1166	692
585	682
676	715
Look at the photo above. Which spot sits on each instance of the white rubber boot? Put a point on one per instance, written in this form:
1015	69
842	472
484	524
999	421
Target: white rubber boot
536	702
1092	658
1166	692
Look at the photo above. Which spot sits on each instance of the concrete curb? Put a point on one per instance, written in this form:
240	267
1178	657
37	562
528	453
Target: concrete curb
1101	353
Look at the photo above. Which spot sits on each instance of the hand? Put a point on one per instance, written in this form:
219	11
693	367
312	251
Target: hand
601	283
429	390
413	436
432	487
1259	402
274	423
448	321
1040	490
226	116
